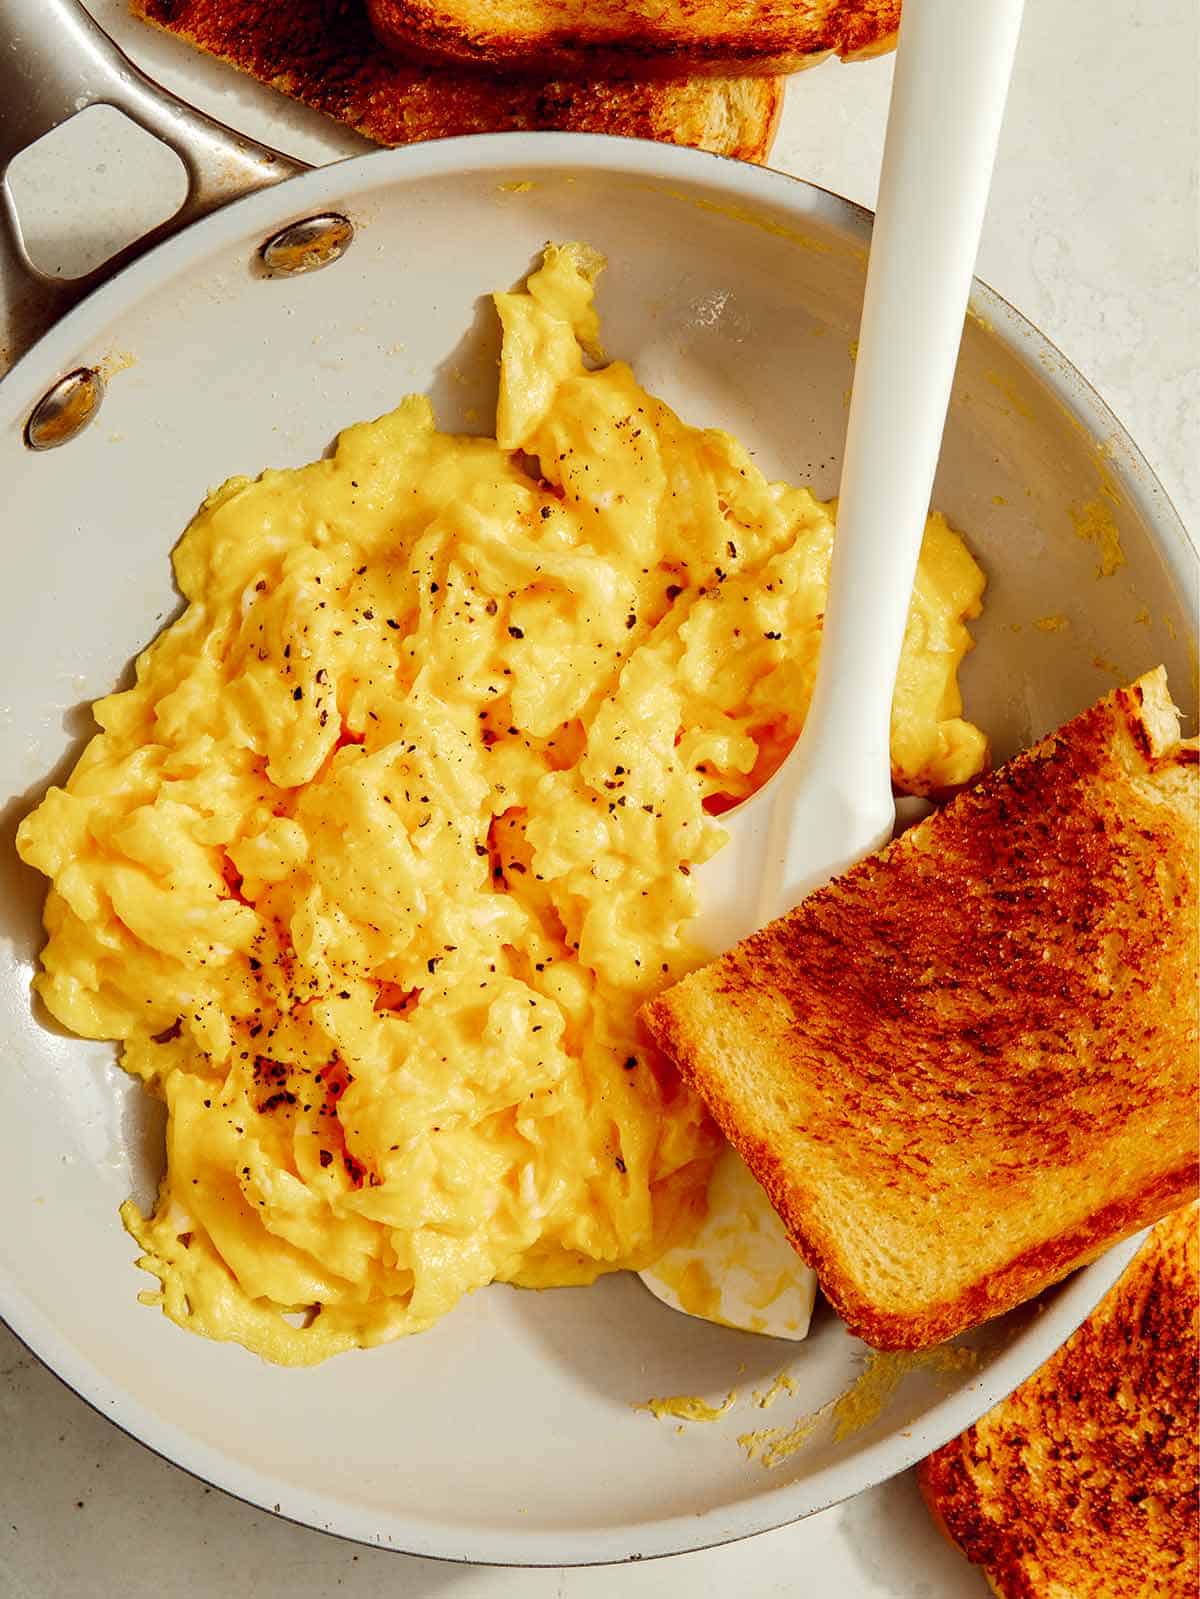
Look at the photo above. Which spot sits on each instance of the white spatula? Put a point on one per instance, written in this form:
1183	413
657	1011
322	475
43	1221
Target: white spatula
831	801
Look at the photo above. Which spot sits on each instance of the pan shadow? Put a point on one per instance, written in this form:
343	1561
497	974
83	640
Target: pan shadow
466	384
23	895
23	888
615	1326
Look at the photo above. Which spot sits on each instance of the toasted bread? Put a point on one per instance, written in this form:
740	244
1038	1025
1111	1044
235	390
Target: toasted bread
322	53
1085	1481
968	1065
637	37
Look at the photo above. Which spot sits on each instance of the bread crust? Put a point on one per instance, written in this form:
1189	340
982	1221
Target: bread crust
1085	1479
323	54
631	39
969	1065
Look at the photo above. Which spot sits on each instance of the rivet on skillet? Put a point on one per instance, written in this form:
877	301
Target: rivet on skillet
64	411
308	245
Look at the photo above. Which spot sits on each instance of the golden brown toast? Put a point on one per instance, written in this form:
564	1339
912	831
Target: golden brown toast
322	53
968	1065
1085	1481
637	37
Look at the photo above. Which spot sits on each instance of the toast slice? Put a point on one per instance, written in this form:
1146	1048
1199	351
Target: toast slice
1085	1481
968	1065
322	53
637	37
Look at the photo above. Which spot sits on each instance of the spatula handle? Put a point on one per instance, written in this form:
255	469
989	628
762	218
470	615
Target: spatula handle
953	67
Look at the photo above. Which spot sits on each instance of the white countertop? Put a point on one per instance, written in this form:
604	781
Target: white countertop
1094	233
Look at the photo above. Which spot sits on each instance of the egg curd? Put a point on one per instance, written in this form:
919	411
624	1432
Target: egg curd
370	871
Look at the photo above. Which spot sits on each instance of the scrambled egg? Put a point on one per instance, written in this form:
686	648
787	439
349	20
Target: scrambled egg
371	869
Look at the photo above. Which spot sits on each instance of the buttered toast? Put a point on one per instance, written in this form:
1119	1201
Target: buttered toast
969	1064
323	54
637	37
1086	1480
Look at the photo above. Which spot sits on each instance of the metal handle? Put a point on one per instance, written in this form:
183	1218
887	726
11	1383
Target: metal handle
55	61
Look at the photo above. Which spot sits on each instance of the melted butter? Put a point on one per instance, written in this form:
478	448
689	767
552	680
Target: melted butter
1094	523
689	1407
764	223
863	1403
783	1384
771	1446
1011	393
860	1405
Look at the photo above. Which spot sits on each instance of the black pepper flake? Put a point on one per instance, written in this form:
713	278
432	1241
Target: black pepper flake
273	1101
544	513
392	623
515	632
619	1164
674	591
325	1158
297	693
630	1064
434	587
631	620
432	964
772	635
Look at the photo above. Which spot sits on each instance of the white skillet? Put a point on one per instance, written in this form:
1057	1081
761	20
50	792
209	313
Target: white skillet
508	1433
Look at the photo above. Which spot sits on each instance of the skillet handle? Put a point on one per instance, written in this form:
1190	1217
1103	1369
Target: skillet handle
54	61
